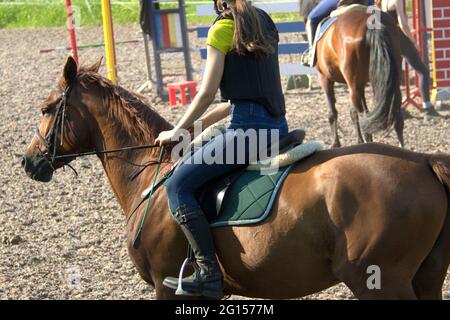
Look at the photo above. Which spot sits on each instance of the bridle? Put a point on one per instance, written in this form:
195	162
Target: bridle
50	155
49	142
58	124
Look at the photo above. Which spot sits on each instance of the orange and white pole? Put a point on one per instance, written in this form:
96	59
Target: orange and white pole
71	27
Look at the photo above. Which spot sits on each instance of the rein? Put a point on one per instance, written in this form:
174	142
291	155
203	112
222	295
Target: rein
137	240
89	153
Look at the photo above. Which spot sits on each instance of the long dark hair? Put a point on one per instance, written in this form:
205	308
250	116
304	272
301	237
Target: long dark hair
248	36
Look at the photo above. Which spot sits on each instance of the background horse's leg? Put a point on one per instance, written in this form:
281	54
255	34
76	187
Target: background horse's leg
367	137
357	96
310	82
399	124
328	87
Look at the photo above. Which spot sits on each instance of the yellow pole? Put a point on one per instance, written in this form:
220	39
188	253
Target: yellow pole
109	41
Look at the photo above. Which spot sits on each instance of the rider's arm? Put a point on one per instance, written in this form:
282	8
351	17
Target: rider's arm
211	80
402	19
218	113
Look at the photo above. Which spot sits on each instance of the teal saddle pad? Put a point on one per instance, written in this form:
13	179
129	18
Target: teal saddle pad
249	199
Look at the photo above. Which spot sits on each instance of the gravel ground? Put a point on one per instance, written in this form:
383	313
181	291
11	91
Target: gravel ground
73	227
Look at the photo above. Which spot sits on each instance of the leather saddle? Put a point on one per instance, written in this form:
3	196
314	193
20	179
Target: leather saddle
211	195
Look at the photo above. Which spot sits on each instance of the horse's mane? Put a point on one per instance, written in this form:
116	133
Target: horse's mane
139	121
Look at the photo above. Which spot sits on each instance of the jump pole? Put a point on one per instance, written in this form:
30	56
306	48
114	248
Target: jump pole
420	32
109	41
71	27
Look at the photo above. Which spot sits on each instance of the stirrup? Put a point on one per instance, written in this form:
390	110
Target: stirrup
180	291
190	259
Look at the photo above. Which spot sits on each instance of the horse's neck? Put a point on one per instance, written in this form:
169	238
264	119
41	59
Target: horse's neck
120	167
119	170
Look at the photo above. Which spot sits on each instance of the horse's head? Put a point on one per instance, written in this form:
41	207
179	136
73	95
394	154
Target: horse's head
63	129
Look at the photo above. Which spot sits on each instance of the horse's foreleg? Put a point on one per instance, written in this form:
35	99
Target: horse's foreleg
328	87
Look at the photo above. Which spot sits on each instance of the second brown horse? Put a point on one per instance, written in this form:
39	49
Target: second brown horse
360	47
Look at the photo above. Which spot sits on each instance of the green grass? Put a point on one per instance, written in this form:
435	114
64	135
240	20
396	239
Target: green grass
52	13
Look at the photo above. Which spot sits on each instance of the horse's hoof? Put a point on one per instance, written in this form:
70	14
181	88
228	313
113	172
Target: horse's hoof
431	113
406	115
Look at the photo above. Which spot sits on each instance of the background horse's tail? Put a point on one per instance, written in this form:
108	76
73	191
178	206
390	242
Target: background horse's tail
385	79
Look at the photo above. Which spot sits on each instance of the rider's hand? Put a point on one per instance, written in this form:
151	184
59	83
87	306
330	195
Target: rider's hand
166	136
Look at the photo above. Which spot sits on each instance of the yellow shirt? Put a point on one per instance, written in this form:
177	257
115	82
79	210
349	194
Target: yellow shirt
220	35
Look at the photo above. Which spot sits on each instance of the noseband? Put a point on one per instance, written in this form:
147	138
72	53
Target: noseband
49	142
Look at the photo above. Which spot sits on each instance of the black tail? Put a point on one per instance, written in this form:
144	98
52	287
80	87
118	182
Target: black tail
385	79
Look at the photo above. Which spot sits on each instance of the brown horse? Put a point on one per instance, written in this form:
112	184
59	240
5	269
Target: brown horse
338	213
361	46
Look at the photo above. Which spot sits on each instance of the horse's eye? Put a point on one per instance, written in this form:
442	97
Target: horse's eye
44	111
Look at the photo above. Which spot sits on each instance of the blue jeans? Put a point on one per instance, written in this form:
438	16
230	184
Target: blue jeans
192	175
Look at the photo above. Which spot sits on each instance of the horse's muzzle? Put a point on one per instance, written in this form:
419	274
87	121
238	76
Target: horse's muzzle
37	168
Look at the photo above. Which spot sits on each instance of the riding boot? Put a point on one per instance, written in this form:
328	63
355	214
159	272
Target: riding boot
310	33
207	279
307	58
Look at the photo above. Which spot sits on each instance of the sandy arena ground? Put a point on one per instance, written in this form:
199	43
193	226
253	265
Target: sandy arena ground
73	225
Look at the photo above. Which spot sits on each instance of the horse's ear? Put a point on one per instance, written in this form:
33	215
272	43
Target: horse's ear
70	70
96	66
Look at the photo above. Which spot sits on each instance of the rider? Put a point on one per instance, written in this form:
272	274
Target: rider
242	60
409	51
320	12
